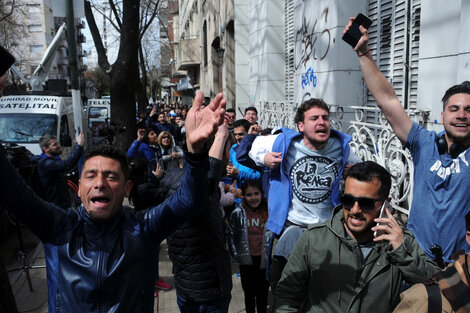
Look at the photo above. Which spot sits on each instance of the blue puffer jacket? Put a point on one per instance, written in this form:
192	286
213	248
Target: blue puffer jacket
105	266
51	172
281	183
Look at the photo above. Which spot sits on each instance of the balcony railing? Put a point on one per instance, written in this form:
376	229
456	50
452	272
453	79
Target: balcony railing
189	53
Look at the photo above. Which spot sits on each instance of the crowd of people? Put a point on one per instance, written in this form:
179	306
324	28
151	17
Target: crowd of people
299	212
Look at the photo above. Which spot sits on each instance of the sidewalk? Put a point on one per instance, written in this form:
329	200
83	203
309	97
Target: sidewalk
36	301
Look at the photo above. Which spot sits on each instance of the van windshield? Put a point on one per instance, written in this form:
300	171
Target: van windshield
98	112
24	128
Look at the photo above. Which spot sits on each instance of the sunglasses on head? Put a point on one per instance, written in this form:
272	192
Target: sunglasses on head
365	203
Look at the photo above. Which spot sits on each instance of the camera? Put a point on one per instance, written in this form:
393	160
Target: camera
109	130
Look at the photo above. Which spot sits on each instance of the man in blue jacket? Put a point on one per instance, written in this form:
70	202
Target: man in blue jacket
51	169
306	169
106	252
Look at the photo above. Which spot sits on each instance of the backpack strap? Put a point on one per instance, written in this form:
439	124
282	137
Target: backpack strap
434	298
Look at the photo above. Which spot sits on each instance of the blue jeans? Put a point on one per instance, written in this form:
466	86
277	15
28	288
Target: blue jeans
219	305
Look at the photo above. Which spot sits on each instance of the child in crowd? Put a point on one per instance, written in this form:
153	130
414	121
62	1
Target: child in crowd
245	236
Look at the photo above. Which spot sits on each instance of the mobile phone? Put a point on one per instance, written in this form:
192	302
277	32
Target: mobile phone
353	34
6	61
383	213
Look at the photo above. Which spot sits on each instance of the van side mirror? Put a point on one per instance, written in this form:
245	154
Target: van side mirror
65	140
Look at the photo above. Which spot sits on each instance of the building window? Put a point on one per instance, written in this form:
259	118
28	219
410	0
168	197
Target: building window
36	49
33	8
35	28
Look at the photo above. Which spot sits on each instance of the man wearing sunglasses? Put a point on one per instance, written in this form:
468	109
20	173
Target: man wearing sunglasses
341	266
441	161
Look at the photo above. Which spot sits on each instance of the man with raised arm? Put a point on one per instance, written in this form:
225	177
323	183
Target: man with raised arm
106	252
441	166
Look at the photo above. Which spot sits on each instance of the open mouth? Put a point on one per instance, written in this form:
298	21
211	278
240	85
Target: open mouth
100	201
356	220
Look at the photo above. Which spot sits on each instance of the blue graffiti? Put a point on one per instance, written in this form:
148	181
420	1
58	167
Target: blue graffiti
309	78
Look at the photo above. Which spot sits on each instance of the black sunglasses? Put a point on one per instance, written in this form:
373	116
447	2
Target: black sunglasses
165	137
365	203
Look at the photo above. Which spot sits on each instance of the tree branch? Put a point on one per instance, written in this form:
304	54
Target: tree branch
116	14
95	33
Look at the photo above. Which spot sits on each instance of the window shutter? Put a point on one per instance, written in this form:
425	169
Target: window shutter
289	44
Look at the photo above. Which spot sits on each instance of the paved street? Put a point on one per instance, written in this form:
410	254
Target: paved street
36	301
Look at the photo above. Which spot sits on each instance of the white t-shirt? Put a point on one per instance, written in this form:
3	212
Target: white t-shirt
312	174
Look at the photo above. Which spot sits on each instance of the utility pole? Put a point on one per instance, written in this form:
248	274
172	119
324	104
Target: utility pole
73	64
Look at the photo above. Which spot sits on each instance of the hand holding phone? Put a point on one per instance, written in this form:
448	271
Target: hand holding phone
353	34
387	227
383	214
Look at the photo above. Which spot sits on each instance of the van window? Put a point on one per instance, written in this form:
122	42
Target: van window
64	125
27	128
98	112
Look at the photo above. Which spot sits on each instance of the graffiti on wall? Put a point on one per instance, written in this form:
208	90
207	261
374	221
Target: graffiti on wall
309	78
308	38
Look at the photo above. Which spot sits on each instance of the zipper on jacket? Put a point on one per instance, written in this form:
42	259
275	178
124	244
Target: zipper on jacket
100	268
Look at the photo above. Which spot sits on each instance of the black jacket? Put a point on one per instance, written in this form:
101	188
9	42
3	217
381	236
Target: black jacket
201	262
105	266
51	173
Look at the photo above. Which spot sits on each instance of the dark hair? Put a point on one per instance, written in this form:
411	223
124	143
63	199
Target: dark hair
307	105
242	123
231	110
251	109
146	135
256	183
266	131
368	171
138	170
45	140
467	221
460	88
111	152
138	174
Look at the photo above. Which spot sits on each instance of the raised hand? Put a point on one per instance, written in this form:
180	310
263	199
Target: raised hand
255	129
362	47
202	123
140	134
80	139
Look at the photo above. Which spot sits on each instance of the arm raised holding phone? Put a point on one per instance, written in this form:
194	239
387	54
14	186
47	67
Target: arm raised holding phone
380	87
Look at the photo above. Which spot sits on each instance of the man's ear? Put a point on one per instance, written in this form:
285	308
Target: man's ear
300	126
128	188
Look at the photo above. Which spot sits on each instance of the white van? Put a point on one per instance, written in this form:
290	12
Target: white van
24	119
